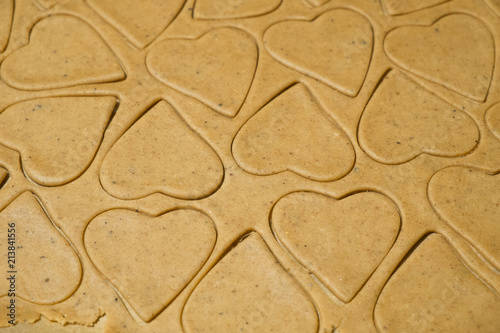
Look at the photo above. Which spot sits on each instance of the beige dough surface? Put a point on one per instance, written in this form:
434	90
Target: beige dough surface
249	166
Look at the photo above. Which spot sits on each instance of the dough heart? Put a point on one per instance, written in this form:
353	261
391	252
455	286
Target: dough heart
457	52
293	133
223	86
341	242
403	120
160	153
149	259
335	48
57	137
63	51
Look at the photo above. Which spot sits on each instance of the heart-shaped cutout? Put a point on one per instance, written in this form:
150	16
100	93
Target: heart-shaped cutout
6	14
335	48
457	52
57	137
224	84
293	133
249	291
227	9
63	51
341	242
149	260
469	201
433	291
160	153
398	7
403	120
45	266
139	21
492	120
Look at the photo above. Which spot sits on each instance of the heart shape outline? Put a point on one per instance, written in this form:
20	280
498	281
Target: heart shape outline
278	120
191	76
458	75
339	71
65	59
128	176
147	299
63	159
391	95
290	221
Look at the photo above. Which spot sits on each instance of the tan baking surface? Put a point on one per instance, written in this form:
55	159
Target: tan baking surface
250	166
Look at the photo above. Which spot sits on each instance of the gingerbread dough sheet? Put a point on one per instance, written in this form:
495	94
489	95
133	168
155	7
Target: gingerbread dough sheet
249	166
